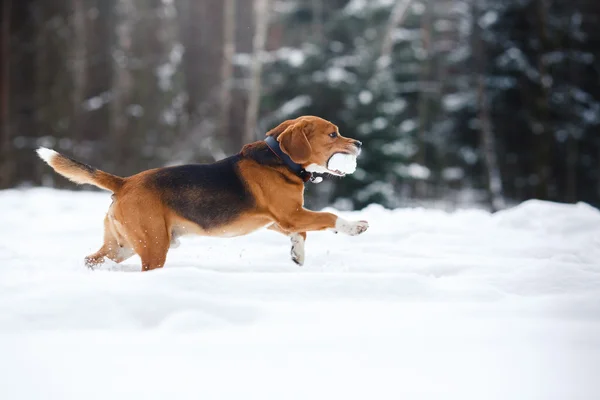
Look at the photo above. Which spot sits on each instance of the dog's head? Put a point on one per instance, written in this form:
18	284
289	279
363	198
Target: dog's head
317	145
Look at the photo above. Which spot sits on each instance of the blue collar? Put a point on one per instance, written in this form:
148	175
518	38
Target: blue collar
297	169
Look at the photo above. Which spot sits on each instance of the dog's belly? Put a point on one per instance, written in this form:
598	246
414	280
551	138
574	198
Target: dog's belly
241	226
241	229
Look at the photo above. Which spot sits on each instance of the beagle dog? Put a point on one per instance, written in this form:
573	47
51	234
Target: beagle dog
261	186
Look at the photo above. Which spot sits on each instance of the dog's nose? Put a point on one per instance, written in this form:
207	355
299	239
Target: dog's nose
358	143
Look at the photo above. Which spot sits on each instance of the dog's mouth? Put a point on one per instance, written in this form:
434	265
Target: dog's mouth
336	172
341	164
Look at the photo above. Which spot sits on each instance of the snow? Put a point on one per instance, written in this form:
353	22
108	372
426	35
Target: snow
408	125
345	163
403	148
488	19
97	102
405	35
453	174
356	7
292	107
294	57
337	75
380	123
424	305
515	59
418	8
395	106
135	110
456	101
165	72
414	170
365	97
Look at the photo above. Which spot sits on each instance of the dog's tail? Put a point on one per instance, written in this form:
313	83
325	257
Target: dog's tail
79	172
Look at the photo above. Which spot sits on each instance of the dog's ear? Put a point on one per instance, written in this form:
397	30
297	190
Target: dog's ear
294	141
275	132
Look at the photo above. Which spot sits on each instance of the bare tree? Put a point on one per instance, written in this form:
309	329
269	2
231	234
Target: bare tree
488	142
541	128
387	44
424	95
318	20
573	139
79	65
488	145
261	27
229	22
122	80
5	165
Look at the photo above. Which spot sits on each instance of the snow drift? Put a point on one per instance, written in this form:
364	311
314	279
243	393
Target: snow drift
426	304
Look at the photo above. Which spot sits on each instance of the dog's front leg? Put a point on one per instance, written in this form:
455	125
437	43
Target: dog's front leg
303	220
297	239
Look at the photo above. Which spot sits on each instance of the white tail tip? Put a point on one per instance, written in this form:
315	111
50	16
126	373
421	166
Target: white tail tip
46	154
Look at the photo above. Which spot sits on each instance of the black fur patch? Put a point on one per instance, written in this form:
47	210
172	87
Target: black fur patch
211	195
261	153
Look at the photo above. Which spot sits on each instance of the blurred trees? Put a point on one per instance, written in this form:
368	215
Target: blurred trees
499	99
455	100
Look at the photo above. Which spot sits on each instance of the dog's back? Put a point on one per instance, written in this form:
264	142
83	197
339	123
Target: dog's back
210	195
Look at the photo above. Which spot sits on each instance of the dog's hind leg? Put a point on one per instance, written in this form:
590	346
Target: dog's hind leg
112	248
152	249
297	239
151	239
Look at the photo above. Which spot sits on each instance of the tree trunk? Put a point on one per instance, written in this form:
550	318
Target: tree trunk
79	67
317	21
122	80
488	145
598	166
42	84
229	22
572	156
542	131
5	144
261	26
387	44
572	141
487	141
424	96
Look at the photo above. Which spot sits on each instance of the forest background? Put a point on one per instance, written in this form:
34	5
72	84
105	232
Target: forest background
457	102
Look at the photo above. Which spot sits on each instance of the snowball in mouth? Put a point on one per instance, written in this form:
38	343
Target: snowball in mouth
342	163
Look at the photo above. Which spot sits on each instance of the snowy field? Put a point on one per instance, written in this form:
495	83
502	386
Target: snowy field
424	305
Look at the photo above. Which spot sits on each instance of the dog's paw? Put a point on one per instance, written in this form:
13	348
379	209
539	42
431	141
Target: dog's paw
298	259
92	262
351	228
297	251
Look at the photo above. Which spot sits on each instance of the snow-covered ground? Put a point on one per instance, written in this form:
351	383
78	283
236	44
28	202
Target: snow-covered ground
424	305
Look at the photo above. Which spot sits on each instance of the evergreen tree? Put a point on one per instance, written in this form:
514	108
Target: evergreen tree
543	81
341	81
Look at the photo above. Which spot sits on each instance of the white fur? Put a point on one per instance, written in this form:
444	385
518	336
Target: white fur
297	248
46	154
351	228
316	168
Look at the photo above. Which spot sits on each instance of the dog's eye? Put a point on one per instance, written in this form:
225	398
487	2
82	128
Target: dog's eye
333	135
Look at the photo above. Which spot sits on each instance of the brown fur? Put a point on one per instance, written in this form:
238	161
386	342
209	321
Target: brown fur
81	173
140	220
